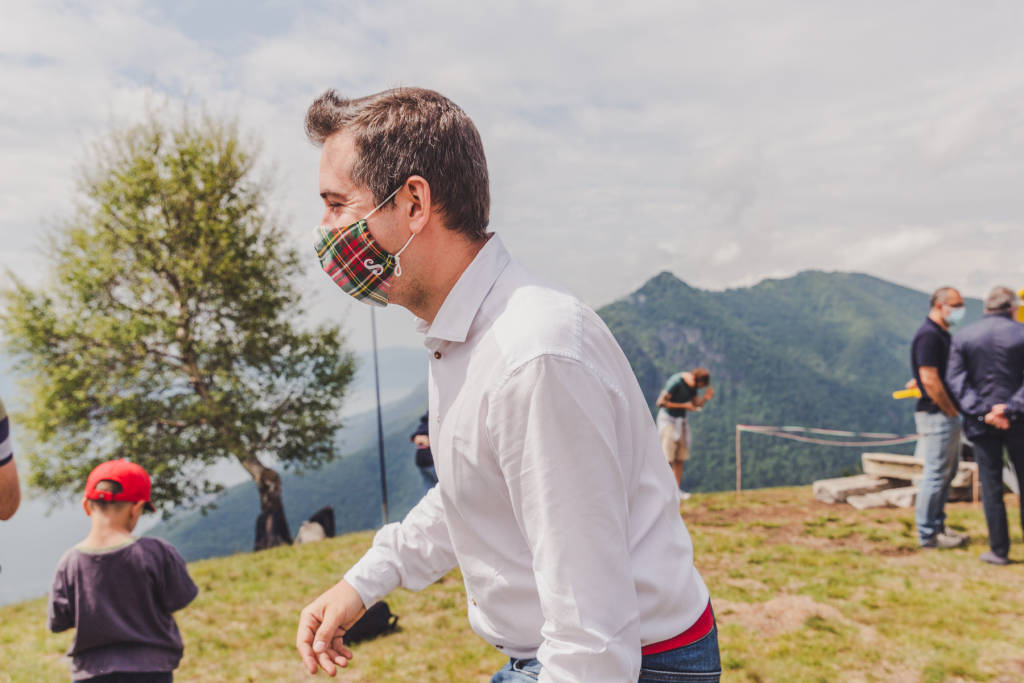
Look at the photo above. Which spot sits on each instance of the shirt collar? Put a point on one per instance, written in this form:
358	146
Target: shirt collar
937	326
460	307
998	314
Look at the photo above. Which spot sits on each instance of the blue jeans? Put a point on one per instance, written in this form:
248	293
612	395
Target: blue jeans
429	475
939	445
695	663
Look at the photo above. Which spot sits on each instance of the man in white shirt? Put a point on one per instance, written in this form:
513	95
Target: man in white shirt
553	498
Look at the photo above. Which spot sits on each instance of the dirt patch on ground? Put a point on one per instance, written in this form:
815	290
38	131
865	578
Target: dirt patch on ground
778	615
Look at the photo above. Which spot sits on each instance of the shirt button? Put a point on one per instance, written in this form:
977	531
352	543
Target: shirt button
437	355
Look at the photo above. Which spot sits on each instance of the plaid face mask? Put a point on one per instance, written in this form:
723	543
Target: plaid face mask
354	260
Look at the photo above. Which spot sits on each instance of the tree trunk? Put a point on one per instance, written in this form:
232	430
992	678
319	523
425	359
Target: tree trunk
271	526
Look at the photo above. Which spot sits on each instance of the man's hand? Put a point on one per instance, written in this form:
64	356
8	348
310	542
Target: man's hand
997	417
709	394
322	624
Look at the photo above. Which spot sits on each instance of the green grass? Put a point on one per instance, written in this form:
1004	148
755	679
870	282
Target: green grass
802	592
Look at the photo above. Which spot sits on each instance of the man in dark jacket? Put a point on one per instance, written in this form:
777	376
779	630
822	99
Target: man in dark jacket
986	376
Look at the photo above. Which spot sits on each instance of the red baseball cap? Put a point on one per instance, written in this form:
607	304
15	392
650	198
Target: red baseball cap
134	481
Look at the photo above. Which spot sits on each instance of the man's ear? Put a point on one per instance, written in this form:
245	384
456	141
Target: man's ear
85	506
419	208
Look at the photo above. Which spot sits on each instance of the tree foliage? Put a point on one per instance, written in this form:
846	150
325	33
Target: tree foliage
166	332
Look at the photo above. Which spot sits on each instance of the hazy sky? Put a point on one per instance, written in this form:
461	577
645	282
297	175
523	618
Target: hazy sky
725	142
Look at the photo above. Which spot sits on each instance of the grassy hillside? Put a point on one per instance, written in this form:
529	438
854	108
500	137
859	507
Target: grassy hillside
802	591
817	349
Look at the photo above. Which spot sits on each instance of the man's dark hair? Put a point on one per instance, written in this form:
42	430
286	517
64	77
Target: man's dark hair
701	377
939	296
1000	300
412	131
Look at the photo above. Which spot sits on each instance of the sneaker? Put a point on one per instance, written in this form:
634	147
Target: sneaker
955	534
944	541
992	558
684	495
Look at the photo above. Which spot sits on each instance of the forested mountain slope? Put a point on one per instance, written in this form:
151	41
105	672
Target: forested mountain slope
817	349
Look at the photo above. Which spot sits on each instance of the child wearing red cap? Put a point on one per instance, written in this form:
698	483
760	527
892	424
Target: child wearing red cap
117	591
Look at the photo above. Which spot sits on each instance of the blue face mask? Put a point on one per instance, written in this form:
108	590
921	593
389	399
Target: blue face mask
955	315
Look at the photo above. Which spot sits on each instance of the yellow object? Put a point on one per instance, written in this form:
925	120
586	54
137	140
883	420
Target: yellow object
907	393
1020	309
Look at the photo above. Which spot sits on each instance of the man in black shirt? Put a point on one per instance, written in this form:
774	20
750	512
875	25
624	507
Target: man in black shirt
936	418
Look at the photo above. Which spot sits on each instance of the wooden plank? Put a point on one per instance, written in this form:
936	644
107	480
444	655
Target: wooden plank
901	497
868	500
891	465
839	489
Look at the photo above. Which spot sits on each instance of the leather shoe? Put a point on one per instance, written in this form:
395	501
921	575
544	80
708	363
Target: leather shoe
992	558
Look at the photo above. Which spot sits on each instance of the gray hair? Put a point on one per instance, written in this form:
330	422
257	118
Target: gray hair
1000	300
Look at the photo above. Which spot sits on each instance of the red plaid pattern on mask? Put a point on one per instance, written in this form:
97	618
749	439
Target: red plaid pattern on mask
356	263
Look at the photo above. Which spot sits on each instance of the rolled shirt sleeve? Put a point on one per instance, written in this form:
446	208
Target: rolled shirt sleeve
553	428
413	554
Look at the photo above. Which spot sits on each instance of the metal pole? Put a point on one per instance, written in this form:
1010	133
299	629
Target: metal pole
380	423
739	469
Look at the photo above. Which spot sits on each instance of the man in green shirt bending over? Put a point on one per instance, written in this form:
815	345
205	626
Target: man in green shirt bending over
680	394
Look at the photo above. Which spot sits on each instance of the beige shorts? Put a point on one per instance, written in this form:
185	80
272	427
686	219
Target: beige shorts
675	451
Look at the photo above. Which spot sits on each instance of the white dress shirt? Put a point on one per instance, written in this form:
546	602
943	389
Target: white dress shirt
553	498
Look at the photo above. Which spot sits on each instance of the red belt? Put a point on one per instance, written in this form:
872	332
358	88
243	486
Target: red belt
700	628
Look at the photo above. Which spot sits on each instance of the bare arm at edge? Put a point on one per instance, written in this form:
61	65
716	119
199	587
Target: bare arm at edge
10	490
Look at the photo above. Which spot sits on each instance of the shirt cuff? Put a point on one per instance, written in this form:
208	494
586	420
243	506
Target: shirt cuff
373	576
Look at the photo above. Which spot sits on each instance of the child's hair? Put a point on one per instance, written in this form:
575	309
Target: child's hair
113	487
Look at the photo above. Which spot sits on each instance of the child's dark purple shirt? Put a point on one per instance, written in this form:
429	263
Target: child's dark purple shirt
120	602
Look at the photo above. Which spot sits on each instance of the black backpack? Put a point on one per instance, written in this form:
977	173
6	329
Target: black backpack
376	621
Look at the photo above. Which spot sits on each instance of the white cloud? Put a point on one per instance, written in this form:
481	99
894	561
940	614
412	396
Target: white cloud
723	142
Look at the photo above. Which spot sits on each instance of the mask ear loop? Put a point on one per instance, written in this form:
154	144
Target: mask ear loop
398	261
386	200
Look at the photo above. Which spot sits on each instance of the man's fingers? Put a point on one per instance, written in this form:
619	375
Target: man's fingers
338	645
329	629
326	664
331	658
304	640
